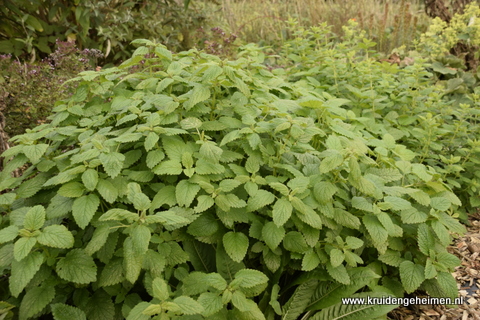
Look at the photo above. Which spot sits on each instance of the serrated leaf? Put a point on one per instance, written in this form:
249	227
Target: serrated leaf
112	163
30	187
199	93
132	261
107	190
71	190
204	202
339	273
154	157
168	167
248	278
211	302
112	273
35	152
56	236
119	214
272	234
90	179
188	306
295	242
430	270
421	197
441	232
440	203
99	238
22	247
426	240
100	306
259	200
141	201
324	191
207	167
62	311
332	161
377	232
310	261
35	218
412	275
24	271
8	234
336	257
361	203
160	289
185	192
236	245
140	236
392	258
84	208
35	300
77	267
210	151
448	284
150	141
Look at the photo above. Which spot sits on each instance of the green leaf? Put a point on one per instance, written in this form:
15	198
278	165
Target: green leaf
412	275
99	238
141	202
35	300
332	161
185	192
119	214
151	140
35	152
211	302
199	93
62	311
90	179
336	257
30	187
71	190
441	232
377	232
24	271
361	203
35	218
259	200
272	235
310	261
84	208
248	278
448	284
107	190
112	163
100	306
324	191
282	211
154	157
295	242
160	289
112	273
132	261
204	202
338	273
188	306
77	267
140	236
297	304
22	247
426	240
168	167
207	167
56	236
440	203
8	234
210	152
236	245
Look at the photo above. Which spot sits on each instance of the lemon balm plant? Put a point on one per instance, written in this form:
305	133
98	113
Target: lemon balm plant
189	187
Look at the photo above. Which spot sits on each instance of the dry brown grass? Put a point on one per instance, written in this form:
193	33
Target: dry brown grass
389	23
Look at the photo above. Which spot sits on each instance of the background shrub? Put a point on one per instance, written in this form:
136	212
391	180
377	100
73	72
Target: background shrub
186	185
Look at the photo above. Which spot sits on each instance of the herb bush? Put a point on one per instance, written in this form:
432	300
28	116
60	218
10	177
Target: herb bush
436	119
200	188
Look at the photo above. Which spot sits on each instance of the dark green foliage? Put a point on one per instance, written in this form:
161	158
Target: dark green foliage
32	27
186	186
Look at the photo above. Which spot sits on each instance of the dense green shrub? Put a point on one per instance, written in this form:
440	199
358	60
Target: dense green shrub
32	27
436	118
201	188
